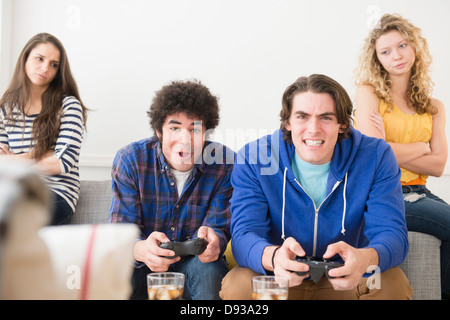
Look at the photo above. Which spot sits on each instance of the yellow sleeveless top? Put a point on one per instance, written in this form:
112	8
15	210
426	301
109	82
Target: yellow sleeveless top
406	128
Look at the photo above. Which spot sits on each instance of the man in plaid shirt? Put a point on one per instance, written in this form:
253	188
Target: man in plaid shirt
176	186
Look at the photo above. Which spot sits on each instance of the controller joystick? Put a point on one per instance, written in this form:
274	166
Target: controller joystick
193	247
317	267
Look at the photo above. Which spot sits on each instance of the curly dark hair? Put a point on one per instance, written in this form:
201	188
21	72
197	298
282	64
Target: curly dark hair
189	97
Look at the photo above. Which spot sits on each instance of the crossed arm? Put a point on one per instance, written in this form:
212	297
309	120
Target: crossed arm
420	157
49	164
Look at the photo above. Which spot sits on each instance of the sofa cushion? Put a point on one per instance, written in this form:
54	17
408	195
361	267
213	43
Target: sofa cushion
422	266
94	203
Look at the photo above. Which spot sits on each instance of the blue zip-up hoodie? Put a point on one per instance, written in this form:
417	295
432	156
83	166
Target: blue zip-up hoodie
364	205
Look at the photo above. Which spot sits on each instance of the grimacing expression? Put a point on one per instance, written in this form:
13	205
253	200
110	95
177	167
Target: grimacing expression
314	126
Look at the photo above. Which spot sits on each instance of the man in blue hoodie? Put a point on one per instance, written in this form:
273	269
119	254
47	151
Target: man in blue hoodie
318	188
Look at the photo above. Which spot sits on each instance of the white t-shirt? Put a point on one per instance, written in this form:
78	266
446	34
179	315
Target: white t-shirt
181	178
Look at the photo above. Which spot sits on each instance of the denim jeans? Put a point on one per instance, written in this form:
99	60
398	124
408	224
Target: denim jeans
431	215
62	212
203	281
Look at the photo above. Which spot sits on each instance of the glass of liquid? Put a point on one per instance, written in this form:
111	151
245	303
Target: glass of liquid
165	285
270	288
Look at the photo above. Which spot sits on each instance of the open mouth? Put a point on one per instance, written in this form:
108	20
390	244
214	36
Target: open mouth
184	154
313	143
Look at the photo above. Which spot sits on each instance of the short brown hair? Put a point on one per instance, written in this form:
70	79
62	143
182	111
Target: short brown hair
318	83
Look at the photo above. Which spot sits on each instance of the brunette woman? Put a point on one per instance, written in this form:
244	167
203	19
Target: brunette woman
42	120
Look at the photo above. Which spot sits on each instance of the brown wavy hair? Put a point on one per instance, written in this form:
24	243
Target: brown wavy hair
46	125
371	72
318	83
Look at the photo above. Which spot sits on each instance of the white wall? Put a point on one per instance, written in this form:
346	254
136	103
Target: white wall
5	42
246	51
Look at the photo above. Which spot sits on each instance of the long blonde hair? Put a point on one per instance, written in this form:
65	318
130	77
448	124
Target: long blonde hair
371	72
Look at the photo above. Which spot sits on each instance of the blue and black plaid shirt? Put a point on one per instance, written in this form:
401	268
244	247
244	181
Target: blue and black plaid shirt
145	192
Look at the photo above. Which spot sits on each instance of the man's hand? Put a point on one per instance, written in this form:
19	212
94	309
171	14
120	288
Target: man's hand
284	264
357	262
149	252
212	251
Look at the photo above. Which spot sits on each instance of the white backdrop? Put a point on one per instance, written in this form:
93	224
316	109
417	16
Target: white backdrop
245	51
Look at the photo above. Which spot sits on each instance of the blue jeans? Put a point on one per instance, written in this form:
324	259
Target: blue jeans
62	212
431	215
203	281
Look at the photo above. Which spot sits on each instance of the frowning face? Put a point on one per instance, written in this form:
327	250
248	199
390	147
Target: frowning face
42	65
395	53
182	140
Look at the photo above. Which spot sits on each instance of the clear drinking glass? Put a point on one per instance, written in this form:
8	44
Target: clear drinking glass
165	285
270	288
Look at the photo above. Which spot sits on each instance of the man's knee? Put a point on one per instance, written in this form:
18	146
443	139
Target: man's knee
203	280
237	284
389	285
398	284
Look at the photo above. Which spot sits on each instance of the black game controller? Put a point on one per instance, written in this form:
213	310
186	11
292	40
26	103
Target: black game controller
193	247
317	267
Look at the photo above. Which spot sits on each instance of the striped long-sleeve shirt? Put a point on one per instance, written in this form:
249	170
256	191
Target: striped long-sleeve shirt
145	192
18	138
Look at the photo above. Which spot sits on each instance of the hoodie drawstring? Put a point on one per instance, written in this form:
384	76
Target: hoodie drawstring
345	205
283	236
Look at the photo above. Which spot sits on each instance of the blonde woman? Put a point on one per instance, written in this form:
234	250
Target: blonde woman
393	102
